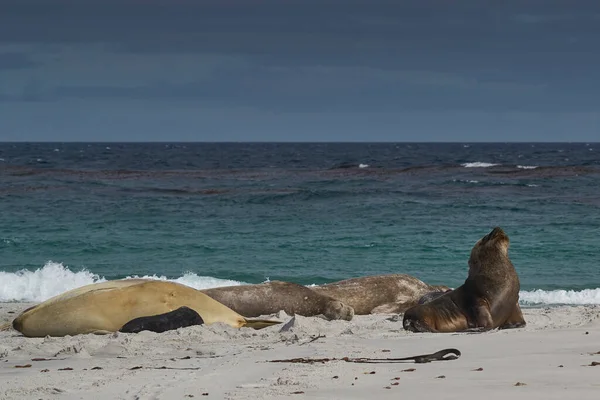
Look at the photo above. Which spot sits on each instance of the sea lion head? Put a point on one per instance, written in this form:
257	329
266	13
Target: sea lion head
489	249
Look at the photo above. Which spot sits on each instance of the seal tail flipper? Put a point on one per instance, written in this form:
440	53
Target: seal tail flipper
260	323
6	327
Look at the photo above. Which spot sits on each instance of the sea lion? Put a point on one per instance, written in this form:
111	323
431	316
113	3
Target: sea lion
106	307
379	294
271	297
180	318
487	300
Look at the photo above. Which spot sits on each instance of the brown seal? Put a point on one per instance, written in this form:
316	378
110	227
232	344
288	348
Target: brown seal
271	297
379	294
487	300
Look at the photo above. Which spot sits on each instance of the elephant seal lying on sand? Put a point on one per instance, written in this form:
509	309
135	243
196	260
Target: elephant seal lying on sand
379	294
338	300
271	297
108	306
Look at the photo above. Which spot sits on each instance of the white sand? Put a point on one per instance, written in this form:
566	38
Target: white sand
230	363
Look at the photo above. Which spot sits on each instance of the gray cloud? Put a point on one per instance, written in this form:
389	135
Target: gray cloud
16	60
325	89
341	57
429	35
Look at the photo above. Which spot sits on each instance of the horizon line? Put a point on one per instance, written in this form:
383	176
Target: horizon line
287	142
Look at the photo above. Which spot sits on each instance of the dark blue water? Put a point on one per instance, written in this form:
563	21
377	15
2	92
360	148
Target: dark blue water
303	212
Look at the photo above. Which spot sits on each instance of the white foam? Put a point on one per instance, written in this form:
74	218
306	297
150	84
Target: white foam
478	164
363	165
580	297
193	280
43	283
465	181
527	166
55	278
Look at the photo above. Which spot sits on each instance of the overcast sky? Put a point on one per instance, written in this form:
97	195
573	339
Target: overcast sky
299	70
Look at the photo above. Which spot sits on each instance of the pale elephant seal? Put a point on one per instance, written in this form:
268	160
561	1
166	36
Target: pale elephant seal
379	294
106	307
271	297
487	300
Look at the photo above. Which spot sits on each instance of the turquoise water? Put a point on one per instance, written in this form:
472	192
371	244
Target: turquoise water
214	214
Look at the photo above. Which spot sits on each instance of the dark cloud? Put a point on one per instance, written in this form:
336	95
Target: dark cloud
480	36
16	60
309	56
332	91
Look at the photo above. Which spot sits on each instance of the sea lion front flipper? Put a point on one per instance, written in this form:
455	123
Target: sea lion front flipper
179	318
483	317
515	320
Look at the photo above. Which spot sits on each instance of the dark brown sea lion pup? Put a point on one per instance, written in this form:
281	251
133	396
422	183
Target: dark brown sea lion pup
180	318
379	294
271	297
487	300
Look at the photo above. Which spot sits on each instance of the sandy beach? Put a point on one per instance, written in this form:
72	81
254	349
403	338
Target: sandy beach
551	358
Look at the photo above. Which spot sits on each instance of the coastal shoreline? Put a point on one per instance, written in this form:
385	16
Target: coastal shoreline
548	358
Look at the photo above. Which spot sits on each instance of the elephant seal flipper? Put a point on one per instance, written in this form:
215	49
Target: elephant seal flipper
487	300
179	318
387	308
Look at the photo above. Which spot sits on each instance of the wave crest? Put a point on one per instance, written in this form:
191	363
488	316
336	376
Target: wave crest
43	283
543	297
478	164
55	278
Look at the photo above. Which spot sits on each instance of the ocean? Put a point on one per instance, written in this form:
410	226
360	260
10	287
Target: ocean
214	214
